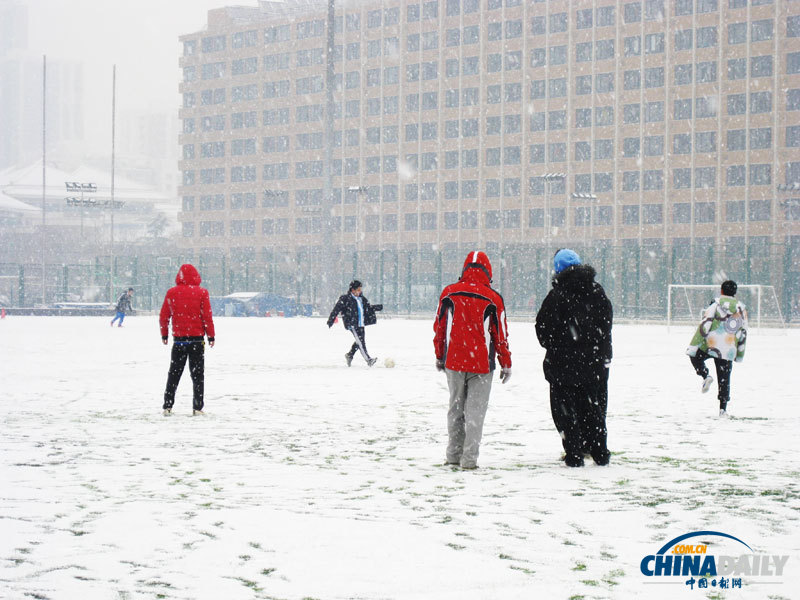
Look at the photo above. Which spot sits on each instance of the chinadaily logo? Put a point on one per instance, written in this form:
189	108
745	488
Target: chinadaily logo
693	561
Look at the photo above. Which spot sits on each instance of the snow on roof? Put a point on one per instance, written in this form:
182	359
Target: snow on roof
244	296
7	203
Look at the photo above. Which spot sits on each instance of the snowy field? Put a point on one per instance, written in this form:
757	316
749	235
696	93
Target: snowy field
311	480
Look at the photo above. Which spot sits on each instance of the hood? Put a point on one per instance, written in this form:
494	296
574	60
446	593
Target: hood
187	275
477	268
575	276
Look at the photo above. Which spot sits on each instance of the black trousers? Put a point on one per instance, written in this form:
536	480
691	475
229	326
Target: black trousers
195	352
579	414
360	345
723	367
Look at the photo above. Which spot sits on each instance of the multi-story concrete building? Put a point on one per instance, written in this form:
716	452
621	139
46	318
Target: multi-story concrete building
491	123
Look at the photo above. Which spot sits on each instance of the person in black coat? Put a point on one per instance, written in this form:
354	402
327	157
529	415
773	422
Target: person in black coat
356	313
574	326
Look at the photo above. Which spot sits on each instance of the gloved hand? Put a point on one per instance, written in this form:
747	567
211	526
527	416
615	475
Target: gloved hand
440	364
505	375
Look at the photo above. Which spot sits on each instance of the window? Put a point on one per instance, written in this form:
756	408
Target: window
583	84
632	12
737	68
511	187
761	138
558	87
705	177
430	40
606	16
683	39
705	107
539	57
793	99
583	52
706	37
556	119
705	212
584	19
761	66
734	211
583	183
706	72
683	74
653	180
654	77
654	43
735	175
737	104
452	37
493	126
492	157
793	63
761	30
513	29
558	55
630	181
630	214
736	139
603	149
681	179
706	6
683	109
760	102
654	145
537	153
604	49
538	121
430	70
737	33
631	113
558	23
513	92
451	129
604	83
654	112
492	188
583	117
469	127
759	210
793	26
654	10
557	152
761	174
631	147
681	212
793	136
430	10
682	143
632	46
603	116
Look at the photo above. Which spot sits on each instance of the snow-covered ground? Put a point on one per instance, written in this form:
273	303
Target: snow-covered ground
311	480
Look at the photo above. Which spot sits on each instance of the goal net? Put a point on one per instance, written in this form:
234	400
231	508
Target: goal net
686	303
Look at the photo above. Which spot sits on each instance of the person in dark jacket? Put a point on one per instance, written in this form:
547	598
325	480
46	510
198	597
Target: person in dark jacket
356	313
574	326
123	307
189	308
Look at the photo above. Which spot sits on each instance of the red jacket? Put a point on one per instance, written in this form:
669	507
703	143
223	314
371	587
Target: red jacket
188	305
470	324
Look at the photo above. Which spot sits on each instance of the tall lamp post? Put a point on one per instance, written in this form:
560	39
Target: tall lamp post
548	178
73	186
587	226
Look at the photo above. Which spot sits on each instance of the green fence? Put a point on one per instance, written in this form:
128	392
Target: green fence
409	281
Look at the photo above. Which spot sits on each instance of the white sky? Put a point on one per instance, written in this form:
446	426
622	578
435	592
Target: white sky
140	36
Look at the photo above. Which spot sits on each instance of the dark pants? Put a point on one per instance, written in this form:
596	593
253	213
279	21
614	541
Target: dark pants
724	368
360	345
579	414
194	351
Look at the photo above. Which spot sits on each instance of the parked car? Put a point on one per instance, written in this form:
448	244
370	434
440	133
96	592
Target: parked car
258	304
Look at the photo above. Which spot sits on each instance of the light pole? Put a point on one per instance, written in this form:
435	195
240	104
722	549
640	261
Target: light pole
73	186
548	178
358	189
587	226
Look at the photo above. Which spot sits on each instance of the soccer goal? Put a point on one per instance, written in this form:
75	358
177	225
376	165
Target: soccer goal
686	303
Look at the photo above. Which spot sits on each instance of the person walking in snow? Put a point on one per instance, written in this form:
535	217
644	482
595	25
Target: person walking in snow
721	335
470	331
356	313
189	308
123	307
574	326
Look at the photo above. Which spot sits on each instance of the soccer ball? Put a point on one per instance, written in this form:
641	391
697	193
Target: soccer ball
389	363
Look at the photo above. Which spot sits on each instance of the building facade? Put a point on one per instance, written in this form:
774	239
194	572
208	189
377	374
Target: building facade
493	124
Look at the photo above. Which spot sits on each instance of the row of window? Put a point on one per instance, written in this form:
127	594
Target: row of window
736	211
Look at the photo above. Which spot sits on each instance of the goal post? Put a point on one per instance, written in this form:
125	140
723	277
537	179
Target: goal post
686	302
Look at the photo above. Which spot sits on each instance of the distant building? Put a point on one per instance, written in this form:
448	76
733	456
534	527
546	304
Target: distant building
490	123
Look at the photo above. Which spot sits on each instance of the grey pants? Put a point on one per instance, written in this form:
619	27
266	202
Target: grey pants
469	399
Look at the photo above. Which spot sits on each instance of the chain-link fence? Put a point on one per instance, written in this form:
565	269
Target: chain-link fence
409	281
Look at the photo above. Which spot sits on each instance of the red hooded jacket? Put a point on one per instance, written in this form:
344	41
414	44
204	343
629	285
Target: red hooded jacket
188	305
470	324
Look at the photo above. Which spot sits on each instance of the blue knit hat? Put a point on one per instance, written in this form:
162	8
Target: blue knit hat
565	258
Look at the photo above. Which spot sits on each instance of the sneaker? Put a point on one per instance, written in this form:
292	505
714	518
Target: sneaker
167	412
573	461
372	361
723	414
198	413
469	467
706	384
112	323
348	359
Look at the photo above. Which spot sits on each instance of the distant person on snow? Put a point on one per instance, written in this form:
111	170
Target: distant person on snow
123	307
721	335
470	330
187	304
574	327
356	313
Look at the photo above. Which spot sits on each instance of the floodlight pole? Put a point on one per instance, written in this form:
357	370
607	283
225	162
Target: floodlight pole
113	157
44	174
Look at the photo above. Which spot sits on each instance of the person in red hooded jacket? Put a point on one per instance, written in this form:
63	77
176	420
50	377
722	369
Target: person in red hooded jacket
470	332
188	305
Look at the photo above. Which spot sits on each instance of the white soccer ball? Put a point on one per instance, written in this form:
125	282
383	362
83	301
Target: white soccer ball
389	363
